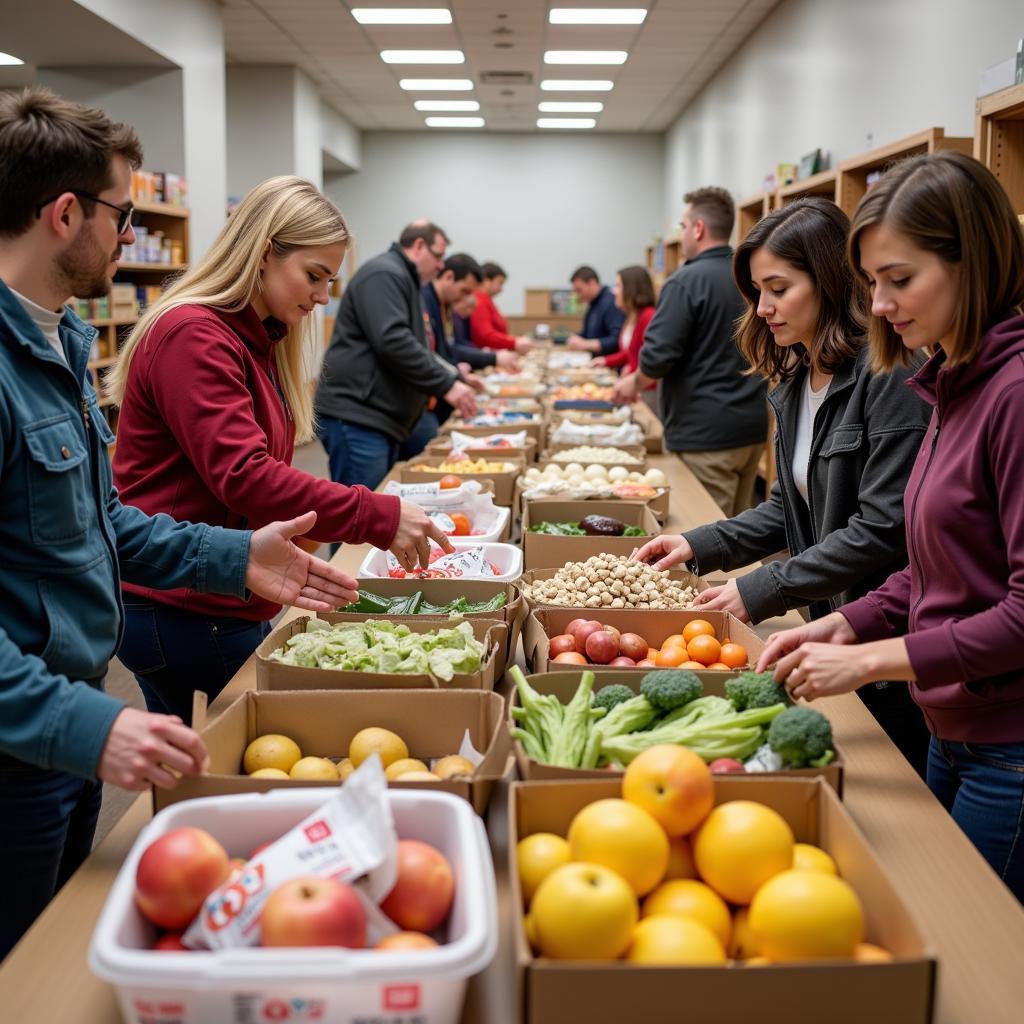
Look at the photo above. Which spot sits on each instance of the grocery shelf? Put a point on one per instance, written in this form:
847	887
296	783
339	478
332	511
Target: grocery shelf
999	140
822	184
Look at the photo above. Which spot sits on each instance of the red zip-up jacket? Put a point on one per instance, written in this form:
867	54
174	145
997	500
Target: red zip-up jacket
205	436
487	327
630	357
960	602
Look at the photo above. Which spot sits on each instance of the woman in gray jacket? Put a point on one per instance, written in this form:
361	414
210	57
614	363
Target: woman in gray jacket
844	446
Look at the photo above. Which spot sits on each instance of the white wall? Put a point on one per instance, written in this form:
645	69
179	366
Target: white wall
340	140
307	130
843	75
539	205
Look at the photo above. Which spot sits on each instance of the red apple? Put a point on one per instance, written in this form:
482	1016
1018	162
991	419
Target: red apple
582	632
573	626
726	764
633	646
561	643
602	647
406	940
570	658
176	873
622	662
170	942
423	893
312	911
614	632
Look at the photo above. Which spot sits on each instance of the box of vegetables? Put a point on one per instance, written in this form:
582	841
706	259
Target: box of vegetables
577	725
398	653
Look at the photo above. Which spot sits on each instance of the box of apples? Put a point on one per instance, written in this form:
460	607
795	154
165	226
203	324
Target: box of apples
193	934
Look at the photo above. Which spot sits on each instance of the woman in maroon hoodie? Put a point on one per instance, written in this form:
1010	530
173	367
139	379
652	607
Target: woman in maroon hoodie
214	389
942	250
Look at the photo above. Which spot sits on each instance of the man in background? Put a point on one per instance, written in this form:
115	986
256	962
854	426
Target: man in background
715	418
485	327
603	321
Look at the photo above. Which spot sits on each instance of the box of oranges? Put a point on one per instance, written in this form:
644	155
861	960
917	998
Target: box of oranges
668	895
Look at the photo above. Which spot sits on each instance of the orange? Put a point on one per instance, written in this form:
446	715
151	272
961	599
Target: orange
734	655
694	666
705	649
373	740
462	527
449	481
676	640
716	666
670	939
811	858
670	657
742	945
698	627
536	857
695	900
673	785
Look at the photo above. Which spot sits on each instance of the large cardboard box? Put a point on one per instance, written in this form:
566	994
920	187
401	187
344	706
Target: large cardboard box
680	576
654	625
564	684
841	992
323	722
535	429
544	551
504	483
659	504
441	592
528	452
273	675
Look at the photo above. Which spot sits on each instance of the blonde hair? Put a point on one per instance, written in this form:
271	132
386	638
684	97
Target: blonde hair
287	212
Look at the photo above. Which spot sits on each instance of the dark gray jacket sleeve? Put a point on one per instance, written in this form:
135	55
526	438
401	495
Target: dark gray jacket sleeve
383	314
666	336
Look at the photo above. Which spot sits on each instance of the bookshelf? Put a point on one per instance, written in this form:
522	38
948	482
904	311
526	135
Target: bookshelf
662	259
822	184
750	210
999	140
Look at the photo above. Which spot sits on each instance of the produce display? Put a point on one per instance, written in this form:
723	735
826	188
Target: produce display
588	392
416	604
650	878
609	581
593	454
466	466
589	526
466	562
593	480
381	646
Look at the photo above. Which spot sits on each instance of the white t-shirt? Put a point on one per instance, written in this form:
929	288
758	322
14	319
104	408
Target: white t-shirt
626	336
46	320
810	403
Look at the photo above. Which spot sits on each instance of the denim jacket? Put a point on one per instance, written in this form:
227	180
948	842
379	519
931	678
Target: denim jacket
66	542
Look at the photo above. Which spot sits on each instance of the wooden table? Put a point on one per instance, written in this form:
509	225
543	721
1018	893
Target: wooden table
971	921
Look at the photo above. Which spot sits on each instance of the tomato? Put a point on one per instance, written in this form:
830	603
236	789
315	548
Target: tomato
396	573
462	527
450	481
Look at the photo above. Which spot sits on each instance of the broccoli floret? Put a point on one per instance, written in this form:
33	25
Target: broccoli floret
669	689
614	693
802	737
755	690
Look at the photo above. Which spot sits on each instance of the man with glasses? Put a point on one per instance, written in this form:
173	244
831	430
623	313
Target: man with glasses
382	371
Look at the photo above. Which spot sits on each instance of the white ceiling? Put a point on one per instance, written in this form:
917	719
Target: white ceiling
679	47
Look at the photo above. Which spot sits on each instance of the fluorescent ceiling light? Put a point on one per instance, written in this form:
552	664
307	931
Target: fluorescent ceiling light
455	122
436	84
565	122
570	108
585	56
423	56
575	85
446	105
402	15
7	59
596	15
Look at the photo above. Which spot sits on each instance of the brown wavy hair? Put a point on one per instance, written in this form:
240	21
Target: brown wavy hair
810	234
637	288
949	204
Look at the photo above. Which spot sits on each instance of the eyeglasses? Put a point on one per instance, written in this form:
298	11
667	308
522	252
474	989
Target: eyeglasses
124	212
437	255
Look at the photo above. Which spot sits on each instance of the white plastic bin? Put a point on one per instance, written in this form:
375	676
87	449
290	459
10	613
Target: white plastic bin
507	557
334	986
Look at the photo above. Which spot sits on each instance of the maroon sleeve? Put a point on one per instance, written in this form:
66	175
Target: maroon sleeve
487	328
214	422
884	612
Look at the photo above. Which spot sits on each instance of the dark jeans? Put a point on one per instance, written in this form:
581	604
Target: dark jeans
49	819
982	787
173	653
357	455
426	429
895	711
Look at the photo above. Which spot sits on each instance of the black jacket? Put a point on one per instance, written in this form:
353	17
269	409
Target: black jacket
848	537
706	402
379	370
603	321
452	349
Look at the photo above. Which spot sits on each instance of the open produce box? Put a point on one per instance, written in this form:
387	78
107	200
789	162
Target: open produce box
655	625
563	685
556	453
433	724
610	992
504	480
681	577
527	452
275	675
495	563
535	427
542	551
656	498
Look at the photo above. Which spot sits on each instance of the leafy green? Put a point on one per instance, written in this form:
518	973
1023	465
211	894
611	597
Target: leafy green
415	604
558	529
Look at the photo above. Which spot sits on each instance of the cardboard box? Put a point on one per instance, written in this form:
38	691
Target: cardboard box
564	684
537	301
543	551
441	592
323	722
504	483
273	675
610	992
683	576
659	504
535	429
654	625
638	451
528	453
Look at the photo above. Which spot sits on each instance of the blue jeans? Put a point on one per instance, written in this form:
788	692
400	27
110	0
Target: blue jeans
357	455
982	787
49	819
173	652
426	429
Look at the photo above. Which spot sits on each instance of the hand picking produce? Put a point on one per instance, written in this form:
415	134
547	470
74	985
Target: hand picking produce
610	581
466	562
586	453
416	604
589	526
382	646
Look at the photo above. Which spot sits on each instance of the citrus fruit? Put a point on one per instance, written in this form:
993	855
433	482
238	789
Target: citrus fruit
705	649
345	768
670	939
806	915
269	773
733	655
271	751
622	837
536	857
680	859
676	640
717	666
697	627
416	775
811	858
741	944
314	769
740	846
670	656
673	785
453	765
693	666
403	764
389	745
690	898
449	482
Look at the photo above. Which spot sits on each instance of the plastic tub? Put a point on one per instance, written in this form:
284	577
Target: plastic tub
507	557
342	986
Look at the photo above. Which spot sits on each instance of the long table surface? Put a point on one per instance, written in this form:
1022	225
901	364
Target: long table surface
968	917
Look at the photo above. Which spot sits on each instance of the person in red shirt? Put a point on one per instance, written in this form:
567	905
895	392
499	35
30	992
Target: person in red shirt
487	327
214	392
634	295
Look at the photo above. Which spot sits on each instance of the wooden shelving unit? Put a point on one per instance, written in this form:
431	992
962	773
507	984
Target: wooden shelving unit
999	140
750	210
822	184
670	260
852	185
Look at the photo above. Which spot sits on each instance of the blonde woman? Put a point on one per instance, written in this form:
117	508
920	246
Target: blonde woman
214	394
